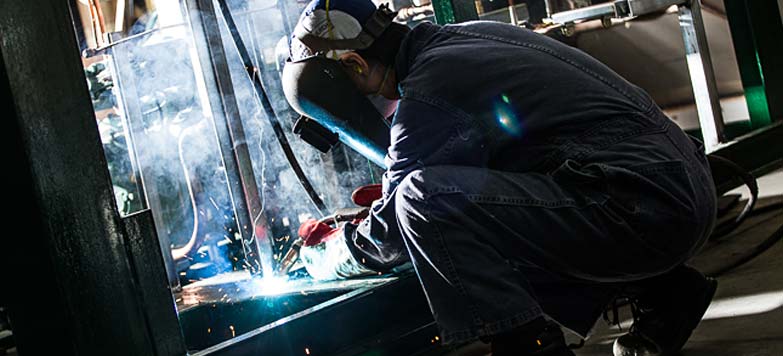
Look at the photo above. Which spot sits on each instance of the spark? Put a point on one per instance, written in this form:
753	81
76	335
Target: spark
233	333
307	350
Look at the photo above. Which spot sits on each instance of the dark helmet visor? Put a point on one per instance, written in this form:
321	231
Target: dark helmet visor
320	89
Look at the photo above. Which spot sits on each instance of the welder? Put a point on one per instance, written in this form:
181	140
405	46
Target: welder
528	184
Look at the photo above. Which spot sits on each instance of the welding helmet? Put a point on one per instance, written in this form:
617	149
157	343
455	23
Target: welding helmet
316	85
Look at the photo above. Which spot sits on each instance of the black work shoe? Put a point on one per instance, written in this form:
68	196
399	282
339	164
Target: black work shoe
549	341
666	311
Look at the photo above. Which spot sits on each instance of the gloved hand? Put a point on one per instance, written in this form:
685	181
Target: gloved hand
314	232
324	251
366	195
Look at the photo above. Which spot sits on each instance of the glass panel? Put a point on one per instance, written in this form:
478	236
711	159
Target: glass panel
170	121
110	116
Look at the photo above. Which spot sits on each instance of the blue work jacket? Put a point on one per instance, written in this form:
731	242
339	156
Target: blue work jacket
485	94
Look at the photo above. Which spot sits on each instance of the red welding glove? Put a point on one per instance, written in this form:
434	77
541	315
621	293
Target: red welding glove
366	195
325	253
314	232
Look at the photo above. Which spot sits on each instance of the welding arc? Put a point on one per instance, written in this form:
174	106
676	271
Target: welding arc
255	77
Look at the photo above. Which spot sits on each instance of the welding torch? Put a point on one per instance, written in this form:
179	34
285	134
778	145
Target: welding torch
339	216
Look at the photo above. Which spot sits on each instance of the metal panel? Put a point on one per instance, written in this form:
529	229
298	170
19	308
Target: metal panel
75	289
147	264
393	319
756	31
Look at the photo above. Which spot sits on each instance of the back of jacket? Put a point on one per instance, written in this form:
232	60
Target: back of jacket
492	95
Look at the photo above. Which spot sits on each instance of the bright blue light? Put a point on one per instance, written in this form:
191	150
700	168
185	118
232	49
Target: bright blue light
507	118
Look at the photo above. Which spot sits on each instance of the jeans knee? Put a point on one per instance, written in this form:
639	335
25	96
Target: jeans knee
410	191
419	186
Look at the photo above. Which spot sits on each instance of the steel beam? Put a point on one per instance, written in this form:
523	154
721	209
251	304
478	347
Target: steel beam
705	89
72	289
146	260
756	33
758	152
257	243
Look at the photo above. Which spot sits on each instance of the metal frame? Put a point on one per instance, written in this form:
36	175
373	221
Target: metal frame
759	152
693	33
78	280
699	61
756	32
697	53
231	135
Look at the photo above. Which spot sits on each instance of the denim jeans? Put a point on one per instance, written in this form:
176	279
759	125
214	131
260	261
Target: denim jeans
495	249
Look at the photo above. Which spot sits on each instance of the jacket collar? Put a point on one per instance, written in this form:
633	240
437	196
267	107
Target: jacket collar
411	45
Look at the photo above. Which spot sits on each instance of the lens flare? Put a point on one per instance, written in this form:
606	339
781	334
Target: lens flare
507	117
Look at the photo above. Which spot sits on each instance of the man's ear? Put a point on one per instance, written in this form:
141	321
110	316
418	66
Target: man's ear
355	64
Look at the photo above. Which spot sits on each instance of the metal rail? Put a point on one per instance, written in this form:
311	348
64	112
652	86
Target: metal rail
697	54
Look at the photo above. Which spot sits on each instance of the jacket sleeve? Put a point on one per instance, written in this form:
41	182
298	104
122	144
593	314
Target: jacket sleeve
423	133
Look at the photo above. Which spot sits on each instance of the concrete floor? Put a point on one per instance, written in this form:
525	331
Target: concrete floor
746	315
